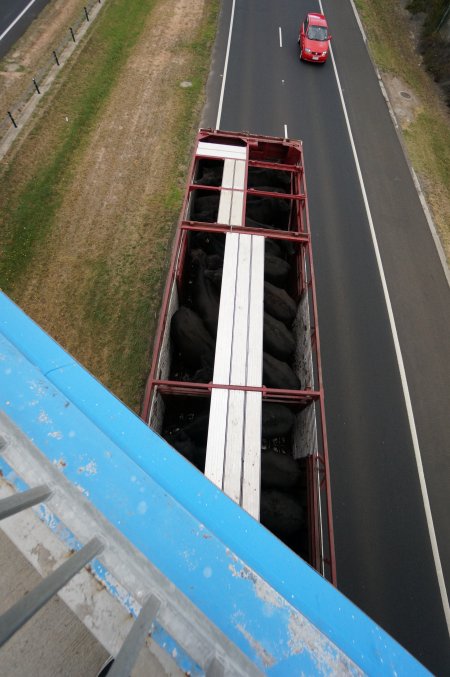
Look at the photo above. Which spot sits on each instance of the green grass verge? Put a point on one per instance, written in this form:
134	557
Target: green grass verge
118	315
135	324
390	47
28	216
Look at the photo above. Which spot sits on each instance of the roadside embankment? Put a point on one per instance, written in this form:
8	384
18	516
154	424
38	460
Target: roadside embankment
93	191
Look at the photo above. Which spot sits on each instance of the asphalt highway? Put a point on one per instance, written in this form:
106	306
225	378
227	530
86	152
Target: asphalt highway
384	555
11	26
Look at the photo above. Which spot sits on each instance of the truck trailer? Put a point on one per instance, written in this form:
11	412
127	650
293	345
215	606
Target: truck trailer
235	384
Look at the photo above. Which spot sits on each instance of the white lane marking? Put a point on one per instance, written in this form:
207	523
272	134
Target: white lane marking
222	91
401	366
281	38
358	21
426	210
18	17
428	216
285	132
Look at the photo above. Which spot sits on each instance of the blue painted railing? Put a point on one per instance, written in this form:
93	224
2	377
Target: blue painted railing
214	552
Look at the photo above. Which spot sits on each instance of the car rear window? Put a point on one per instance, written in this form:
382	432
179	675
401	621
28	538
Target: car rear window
317	33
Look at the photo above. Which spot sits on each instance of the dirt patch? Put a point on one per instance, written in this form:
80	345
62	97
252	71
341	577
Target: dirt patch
405	103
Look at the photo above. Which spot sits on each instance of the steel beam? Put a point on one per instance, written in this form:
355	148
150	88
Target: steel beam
25	499
127	656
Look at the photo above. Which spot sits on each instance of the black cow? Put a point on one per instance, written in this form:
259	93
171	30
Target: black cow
279	304
277	420
279	471
211	243
276	270
191	339
214	261
204	294
197	428
209	173
278	374
278	340
183	443
277	248
205	208
281	513
205	373
215	276
271	211
260	176
272	247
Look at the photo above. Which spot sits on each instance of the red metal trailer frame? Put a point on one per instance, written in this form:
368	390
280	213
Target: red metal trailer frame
264	152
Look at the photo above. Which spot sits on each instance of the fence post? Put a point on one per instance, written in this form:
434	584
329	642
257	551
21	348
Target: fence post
86	12
36	85
12	119
72	33
56	57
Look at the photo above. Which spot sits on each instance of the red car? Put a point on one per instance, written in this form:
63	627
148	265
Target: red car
313	38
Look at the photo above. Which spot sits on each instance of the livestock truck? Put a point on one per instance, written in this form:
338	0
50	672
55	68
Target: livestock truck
235	384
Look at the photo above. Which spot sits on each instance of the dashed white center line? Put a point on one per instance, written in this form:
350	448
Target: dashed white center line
281	37
285	132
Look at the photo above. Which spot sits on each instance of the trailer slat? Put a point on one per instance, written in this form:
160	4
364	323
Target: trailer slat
238	373
217	429
251	467
255	335
234	436
215	448
232	196
206	149
237	204
239	174
251	470
234	445
226	197
228	173
222	359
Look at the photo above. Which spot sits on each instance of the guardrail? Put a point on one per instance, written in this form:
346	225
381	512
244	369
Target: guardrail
12	620
11	117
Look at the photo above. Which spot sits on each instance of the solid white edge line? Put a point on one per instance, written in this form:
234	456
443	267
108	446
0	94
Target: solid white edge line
429	218
222	91
281	38
412	425
285	132
358	21
18	17
426	210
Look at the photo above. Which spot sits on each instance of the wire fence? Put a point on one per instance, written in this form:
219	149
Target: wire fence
11	117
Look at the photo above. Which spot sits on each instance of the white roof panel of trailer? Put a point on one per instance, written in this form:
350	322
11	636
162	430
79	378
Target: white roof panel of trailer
221	150
232	196
234	434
